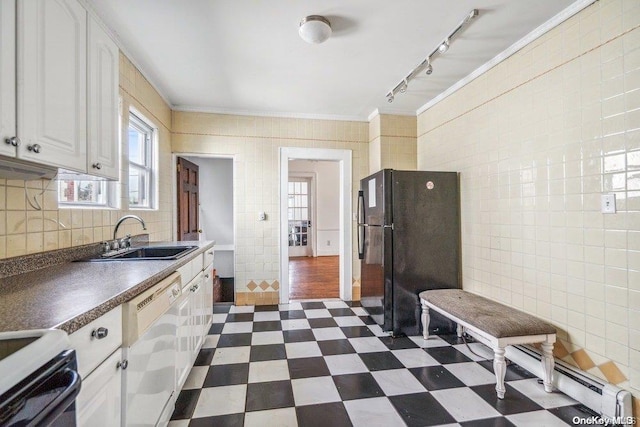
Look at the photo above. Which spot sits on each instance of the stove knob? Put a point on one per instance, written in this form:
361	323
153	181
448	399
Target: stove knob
100	333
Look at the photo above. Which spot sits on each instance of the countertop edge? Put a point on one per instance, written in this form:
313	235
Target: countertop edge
79	320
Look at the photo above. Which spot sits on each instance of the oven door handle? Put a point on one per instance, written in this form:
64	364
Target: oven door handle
72	383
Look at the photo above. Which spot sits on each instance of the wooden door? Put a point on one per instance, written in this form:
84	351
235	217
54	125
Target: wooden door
188	202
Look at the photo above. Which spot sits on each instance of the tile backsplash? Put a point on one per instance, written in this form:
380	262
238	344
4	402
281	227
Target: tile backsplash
24	229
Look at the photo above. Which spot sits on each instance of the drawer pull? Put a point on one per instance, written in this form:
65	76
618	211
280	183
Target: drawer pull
122	365
210	252
34	148
14	140
100	333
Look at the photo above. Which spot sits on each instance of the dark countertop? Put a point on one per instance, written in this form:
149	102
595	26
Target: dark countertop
67	296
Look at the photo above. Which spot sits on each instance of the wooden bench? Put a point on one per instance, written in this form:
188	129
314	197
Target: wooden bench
494	325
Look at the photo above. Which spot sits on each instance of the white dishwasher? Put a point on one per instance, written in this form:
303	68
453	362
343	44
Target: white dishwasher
149	347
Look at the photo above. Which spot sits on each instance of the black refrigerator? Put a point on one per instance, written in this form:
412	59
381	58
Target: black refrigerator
408	242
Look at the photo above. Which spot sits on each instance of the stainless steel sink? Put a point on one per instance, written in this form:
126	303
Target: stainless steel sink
148	253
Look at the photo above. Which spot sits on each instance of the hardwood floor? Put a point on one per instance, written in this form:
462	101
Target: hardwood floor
312	278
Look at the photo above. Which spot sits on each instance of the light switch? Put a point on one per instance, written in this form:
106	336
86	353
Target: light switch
262	216
608	203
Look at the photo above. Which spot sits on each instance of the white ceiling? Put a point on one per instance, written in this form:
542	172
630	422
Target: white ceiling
245	56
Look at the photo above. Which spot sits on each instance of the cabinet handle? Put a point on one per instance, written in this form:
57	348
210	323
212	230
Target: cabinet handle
206	276
97	165
210	252
100	333
14	140
175	292
122	365
35	148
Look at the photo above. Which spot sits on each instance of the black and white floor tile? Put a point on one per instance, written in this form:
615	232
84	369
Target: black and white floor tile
328	364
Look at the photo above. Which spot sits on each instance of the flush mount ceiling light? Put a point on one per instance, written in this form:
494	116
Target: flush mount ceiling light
425	65
315	29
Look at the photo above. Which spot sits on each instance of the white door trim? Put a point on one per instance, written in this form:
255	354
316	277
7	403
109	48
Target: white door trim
344	157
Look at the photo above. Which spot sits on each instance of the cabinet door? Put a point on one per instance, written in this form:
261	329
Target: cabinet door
184	340
197	303
207	285
7	75
103	68
100	399
52	84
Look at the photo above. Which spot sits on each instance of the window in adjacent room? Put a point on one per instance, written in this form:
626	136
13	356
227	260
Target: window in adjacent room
142	158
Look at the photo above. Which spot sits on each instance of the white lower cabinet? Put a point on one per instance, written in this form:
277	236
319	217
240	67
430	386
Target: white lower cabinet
100	399
207	285
99	353
184	341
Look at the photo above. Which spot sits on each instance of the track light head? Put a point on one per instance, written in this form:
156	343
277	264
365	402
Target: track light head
405	85
444	46
429	69
390	98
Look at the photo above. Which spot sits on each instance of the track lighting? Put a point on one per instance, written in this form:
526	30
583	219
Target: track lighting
429	68
444	46
425	65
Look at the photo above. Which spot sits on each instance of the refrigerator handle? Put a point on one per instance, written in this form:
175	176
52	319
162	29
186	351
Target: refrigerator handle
360	241
359	216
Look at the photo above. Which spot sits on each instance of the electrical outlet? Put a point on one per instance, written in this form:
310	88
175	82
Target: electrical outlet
328	242
608	203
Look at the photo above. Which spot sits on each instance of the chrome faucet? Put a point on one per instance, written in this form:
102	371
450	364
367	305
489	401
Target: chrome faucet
121	220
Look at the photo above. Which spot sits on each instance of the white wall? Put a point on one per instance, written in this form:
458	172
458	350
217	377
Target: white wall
327	202
216	208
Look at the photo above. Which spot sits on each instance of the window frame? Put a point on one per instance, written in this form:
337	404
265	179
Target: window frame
148	168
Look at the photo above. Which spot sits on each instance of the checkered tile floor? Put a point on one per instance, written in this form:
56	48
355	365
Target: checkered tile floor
328	364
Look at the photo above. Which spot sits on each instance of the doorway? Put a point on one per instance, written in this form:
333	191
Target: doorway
215	215
343	238
314	213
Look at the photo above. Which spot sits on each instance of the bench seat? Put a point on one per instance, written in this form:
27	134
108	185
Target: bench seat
495	325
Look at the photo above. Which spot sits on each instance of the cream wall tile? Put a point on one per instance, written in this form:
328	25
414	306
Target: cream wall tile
538	176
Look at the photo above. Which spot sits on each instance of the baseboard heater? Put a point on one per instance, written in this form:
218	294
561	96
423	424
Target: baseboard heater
609	401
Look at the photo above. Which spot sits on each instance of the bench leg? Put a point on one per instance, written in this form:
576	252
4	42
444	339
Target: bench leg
425	320
547	365
500	369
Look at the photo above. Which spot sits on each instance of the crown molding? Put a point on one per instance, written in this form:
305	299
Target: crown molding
558	19
232	112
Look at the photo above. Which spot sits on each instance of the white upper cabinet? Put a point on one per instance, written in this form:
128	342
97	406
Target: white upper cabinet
52	83
103	157
7	76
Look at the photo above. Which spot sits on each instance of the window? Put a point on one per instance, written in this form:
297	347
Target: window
141	163
82	191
